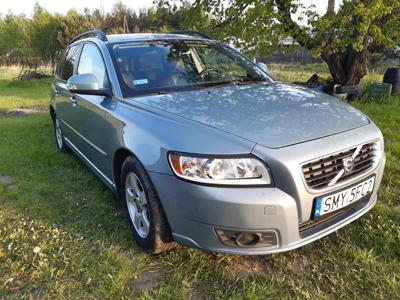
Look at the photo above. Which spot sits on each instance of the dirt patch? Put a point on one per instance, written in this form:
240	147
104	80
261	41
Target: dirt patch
251	266
31	75
6	181
148	280
300	265
268	266
23	111
10	187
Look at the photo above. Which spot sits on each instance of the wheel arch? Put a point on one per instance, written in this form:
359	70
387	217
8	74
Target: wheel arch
52	112
119	157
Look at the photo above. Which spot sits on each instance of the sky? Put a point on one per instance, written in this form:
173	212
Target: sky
62	6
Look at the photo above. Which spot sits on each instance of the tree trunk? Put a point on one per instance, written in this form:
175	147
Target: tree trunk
347	68
331	6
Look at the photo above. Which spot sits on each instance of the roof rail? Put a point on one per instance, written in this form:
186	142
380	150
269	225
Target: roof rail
192	33
97	32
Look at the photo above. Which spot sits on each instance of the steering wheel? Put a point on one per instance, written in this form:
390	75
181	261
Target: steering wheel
203	73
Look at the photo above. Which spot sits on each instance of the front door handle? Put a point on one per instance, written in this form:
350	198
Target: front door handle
73	100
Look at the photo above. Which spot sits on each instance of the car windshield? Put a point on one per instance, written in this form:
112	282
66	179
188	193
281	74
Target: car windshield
164	66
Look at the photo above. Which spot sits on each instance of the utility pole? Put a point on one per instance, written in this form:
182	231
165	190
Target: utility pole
331	6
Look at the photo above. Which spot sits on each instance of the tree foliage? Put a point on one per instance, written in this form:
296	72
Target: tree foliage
29	41
71	25
12	39
343	39
41	33
36	40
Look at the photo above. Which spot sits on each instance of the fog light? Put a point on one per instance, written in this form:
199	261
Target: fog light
247	239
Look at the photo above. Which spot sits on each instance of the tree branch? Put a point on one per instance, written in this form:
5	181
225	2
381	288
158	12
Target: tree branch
290	26
231	19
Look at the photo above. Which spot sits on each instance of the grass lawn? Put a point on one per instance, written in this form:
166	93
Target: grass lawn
63	234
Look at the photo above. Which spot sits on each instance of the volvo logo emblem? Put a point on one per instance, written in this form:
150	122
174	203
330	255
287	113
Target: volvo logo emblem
348	164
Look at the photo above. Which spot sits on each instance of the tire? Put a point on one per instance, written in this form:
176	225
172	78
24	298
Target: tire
143	209
353	92
60	142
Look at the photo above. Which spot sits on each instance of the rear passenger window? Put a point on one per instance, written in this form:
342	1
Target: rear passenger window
69	63
91	61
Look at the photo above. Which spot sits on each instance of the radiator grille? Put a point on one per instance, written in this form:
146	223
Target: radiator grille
321	172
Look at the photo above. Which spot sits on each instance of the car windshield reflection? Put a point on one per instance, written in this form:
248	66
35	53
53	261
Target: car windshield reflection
157	67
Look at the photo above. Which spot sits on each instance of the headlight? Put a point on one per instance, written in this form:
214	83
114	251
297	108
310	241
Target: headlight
220	170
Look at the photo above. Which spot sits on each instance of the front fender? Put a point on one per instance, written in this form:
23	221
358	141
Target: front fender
149	135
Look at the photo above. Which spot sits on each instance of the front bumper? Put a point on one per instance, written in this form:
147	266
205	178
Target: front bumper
195	211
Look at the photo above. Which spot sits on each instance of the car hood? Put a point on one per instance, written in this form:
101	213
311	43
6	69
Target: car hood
271	114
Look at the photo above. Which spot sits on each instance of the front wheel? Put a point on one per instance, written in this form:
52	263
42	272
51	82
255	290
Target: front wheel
145	214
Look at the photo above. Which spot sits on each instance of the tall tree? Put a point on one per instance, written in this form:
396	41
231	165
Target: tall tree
343	39
42	35
72	24
331	6
121	19
36	40
13	37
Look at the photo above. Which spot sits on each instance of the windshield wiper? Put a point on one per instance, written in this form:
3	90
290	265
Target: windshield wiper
215	83
243	81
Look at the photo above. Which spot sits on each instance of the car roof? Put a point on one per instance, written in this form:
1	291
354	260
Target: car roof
140	37
114	38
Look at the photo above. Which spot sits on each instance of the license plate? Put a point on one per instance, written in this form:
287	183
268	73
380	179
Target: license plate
330	203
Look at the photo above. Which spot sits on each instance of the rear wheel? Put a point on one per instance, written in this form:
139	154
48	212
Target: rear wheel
145	214
60	142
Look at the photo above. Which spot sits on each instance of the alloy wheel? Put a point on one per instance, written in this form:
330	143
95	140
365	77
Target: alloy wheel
137	205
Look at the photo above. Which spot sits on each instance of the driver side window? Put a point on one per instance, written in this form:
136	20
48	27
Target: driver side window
91	61
215	60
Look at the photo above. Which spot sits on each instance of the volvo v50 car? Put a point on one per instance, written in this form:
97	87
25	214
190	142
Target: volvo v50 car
206	149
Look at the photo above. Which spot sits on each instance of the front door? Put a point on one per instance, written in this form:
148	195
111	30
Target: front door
82	117
87	121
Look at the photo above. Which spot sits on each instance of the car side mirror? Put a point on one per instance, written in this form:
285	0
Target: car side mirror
87	84
262	66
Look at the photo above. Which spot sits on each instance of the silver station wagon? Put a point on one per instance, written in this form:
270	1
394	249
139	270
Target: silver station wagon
206	149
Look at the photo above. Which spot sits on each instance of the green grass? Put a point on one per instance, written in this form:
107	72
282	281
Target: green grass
54	202
22	94
298	72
